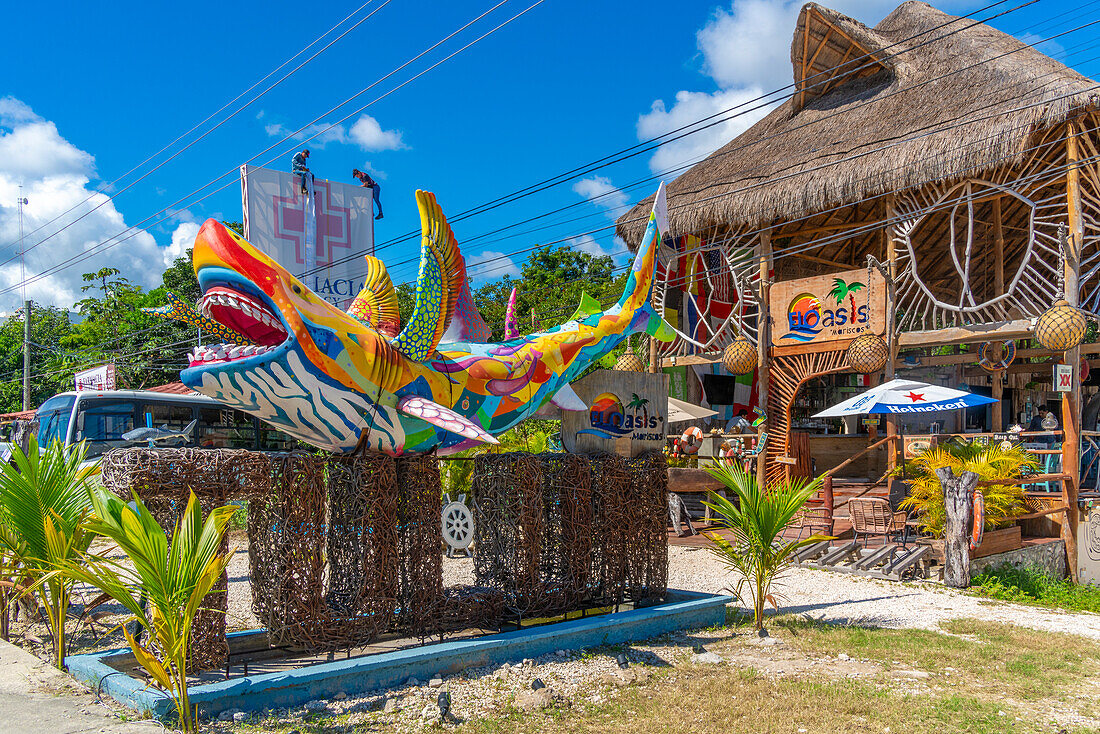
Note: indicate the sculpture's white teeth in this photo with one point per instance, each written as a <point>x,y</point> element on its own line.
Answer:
<point>212,353</point>
<point>242,303</point>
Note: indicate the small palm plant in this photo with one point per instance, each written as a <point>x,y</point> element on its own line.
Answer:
<point>992,462</point>
<point>44,499</point>
<point>174,580</point>
<point>758,553</point>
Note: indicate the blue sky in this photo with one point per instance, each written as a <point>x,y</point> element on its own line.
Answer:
<point>90,90</point>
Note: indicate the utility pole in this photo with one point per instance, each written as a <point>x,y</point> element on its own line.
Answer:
<point>26,310</point>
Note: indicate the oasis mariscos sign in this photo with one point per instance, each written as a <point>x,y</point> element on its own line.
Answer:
<point>828,308</point>
<point>627,413</point>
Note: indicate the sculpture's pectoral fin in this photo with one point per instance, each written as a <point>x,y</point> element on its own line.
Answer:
<point>567,398</point>
<point>444,418</point>
<point>177,310</point>
<point>660,330</point>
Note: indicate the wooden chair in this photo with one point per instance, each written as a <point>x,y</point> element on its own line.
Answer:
<point>873,516</point>
<point>813,519</point>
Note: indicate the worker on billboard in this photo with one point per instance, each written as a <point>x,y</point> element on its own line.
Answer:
<point>367,182</point>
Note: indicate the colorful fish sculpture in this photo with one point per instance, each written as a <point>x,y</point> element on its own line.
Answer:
<point>348,382</point>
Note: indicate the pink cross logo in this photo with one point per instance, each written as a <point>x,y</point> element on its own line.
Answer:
<point>333,224</point>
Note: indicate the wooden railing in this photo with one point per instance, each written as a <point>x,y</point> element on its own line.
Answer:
<point>827,477</point>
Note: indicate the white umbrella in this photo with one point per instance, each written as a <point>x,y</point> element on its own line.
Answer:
<point>679,411</point>
<point>905,397</point>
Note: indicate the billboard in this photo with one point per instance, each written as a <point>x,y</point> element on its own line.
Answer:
<point>319,237</point>
<point>97,378</point>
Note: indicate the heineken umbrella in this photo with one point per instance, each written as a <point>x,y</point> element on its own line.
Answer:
<point>905,397</point>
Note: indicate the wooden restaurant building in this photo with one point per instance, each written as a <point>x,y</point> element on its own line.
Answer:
<point>926,193</point>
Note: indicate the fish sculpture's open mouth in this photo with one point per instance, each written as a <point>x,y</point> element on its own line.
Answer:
<point>244,315</point>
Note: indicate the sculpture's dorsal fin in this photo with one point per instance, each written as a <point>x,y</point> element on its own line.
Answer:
<point>443,417</point>
<point>466,322</point>
<point>180,311</point>
<point>589,306</point>
<point>376,304</point>
<point>511,328</point>
<point>439,283</point>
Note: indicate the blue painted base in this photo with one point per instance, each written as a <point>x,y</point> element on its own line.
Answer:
<point>682,610</point>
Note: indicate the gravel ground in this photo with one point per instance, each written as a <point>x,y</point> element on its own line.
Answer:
<point>831,597</point>
<point>843,598</point>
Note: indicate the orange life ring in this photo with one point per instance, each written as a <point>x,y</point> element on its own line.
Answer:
<point>979,520</point>
<point>691,440</point>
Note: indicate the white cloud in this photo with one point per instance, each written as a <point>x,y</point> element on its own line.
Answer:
<point>746,52</point>
<point>55,176</point>
<point>366,133</point>
<point>490,265</point>
<point>601,192</point>
<point>369,135</point>
<point>182,240</point>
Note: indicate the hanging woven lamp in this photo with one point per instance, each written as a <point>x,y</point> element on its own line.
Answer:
<point>1061,327</point>
<point>629,362</point>
<point>739,358</point>
<point>868,353</point>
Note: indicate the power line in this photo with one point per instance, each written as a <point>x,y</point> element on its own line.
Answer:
<point>103,188</point>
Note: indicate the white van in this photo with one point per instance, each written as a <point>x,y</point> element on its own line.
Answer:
<point>99,418</point>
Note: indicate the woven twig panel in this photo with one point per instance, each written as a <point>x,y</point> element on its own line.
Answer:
<point>647,549</point>
<point>420,547</point>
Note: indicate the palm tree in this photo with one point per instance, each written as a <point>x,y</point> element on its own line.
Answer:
<point>758,553</point>
<point>45,499</point>
<point>174,580</point>
<point>639,402</point>
<point>842,290</point>
<point>993,462</point>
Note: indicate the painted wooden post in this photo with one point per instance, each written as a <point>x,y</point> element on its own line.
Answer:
<point>763,346</point>
<point>1071,401</point>
<point>891,327</point>
<point>827,493</point>
<point>958,502</point>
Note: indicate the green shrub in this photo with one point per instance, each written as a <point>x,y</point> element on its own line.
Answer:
<point>1033,586</point>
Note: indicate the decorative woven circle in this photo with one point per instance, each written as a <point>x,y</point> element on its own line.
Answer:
<point>1061,327</point>
<point>629,362</point>
<point>739,358</point>
<point>868,353</point>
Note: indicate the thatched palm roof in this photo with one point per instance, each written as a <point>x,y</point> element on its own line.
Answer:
<point>882,123</point>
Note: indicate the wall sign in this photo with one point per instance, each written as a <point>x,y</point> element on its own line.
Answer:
<point>828,308</point>
<point>627,414</point>
<point>1063,377</point>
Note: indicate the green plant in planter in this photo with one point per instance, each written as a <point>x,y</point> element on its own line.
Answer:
<point>45,497</point>
<point>1003,502</point>
<point>174,579</point>
<point>759,554</point>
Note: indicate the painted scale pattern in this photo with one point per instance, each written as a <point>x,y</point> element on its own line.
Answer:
<point>177,310</point>
<point>340,384</point>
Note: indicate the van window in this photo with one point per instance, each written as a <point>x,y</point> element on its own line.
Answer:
<point>102,423</point>
<point>225,428</point>
<point>53,420</point>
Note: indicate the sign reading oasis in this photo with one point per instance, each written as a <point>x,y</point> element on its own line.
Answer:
<point>828,308</point>
<point>627,413</point>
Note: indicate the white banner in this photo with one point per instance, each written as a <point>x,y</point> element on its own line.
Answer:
<point>338,218</point>
<point>97,378</point>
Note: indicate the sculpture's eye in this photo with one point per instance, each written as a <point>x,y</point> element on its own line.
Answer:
<point>298,289</point>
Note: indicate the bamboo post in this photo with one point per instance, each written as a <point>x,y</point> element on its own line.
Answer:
<point>1071,401</point>
<point>958,502</point>
<point>764,338</point>
<point>999,287</point>
<point>827,494</point>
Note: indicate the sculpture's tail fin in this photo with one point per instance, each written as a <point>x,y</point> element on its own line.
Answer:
<point>638,293</point>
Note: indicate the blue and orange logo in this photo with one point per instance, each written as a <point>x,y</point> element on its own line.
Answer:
<point>607,417</point>
<point>803,317</point>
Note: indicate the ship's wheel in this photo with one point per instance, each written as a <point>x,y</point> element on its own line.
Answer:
<point>458,525</point>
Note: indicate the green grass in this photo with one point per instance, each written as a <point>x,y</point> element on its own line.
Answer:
<point>239,521</point>
<point>1031,586</point>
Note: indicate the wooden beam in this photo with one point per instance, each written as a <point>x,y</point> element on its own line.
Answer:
<point>999,287</point>
<point>940,360</point>
<point>691,359</point>
<point>891,313</point>
<point>821,260</point>
<point>793,350</point>
<point>1028,368</point>
<point>1071,401</point>
<point>1018,329</point>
